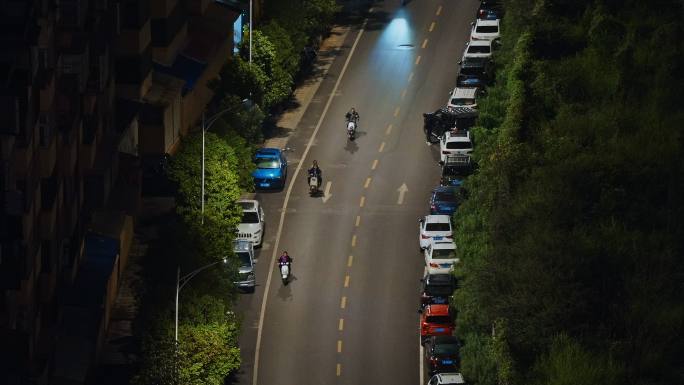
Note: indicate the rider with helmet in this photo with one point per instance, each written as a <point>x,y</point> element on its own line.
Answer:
<point>352,115</point>
<point>315,171</point>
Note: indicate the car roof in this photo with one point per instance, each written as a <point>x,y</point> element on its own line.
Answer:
<point>248,204</point>
<point>464,92</point>
<point>453,189</point>
<point>268,151</point>
<point>480,42</point>
<point>440,278</point>
<point>442,339</point>
<point>437,309</point>
<point>443,245</point>
<point>450,378</point>
<point>437,218</point>
<point>487,22</point>
<point>459,136</point>
<point>242,245</point>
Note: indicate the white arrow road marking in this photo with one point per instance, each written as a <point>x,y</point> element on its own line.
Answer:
<point>402,191</point>
<point>327,194</point>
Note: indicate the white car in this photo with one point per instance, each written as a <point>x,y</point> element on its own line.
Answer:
<point>455,143</point>
<point>485,30</point>
<point>477,48</point>
<point>463,97</point>
<point>447,379</point>
<point>251,226</point>
<point>440,257</point>
<point>433,227</point>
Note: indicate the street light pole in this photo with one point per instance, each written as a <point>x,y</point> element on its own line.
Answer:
<point>250,33</point>
<point>181,281</point>
<point>206,124</point>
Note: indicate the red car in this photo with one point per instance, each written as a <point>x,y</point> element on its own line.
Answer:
<point>436,320</point>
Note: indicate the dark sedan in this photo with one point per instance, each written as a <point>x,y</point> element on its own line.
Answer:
<point>442,354</point>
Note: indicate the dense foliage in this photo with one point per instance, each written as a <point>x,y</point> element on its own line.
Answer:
<point>572,236</point>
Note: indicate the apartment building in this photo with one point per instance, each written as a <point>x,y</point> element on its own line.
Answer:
<point>88,87</point>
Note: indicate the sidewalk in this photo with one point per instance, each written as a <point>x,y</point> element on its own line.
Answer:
<point>304,95</point>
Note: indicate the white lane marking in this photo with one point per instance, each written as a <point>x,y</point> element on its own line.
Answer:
<point>402,191</point>
<point>262,312</point>
<point>327,194</point>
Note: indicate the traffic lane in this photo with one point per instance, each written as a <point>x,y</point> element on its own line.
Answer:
<point>300,323</point>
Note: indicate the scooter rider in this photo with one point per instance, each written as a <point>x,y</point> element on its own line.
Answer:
<point>352,115</point>
<point>315,171</point>
<point>284,258</point>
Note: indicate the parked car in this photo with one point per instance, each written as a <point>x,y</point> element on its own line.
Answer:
<point>251,226</point>
<point>445,200</point>
<point>474,68</point>
<point>442,354</point>
<point>437,289</point>
<point>244,250</point>
<point>440,257</point>
<point>489,10</point>
<point>477,49</point>
<point>436,320</point>
<point>455,143</point>
<point>463,97</point>
<point>447,379</point>
<point>455,168</point>
<point>485,30</point>
<point>433,227</point>
<point>271,168</point>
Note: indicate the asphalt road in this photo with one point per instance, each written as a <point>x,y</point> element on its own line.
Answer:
<point>349,315</point>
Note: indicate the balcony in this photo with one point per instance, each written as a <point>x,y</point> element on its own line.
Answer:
<point>47,149</point>
<point>132,42</point>
<point>169,33</point>
<point>50,191</point>
<point>46,83</point>
<point>88,147</point>
<point>47,279</point>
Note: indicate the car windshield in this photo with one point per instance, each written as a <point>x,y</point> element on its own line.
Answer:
<point>445,196</point>
<point>459,145</point>
<point>439,290</point>
<point>438,319</point>
<point>462,101</point>
<point>244,259</point>
<point>450,349</point>
<point>455,170</point>
<point>443,254</point>
<point>267,163</point>
<point>487,29</point>
<point>437,227</point>
<point>479,49</point>
<point>249,217</point>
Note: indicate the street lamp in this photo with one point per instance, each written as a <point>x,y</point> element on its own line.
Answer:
<point>181,281</point>
<point>206,124</point>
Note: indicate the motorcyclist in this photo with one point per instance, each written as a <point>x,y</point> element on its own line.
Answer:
<point>284,258</point>
<point>352,115</point>
<point>315,171</point>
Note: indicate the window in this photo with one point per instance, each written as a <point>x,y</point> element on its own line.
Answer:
<point>479,49</point>
<point>444,254</point>
<point>459,145</point>
<point>249,217</point>
<point>438,319</point>
<point>245,260</point>
<point>487,29</point>
<point>462,101</point>
<point>437,227</point>
<point>267,163</point>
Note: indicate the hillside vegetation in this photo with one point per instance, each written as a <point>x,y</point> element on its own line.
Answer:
<point>571,238</point>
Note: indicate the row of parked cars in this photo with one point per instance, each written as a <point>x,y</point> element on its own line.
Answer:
<point>435,230</point>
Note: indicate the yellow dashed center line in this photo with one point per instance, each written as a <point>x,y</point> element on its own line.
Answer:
<point>439,10</point>
<point>418,60</point>
<point>432,26</point>
<point>346,281</point>
<point>368,180</point>
<point>389,127</point>
<point>410,76</point>
<point>340,326</point>
<point>339,369</point>
<point>375,164</point>
<point>353,240</point>
<point>362,201</point>
<point>396,112</point>
<point>424,43</point>
<point>382,147</point>
<point>350,260</point>
<point>339,346</point>
<point>343,303</point>
<point>358,221</point>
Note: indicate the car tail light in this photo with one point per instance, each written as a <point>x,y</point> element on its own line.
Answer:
<point>446,152</point>
<point>433,265</point>
<point>448,236</point>
<point>423,236</point>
